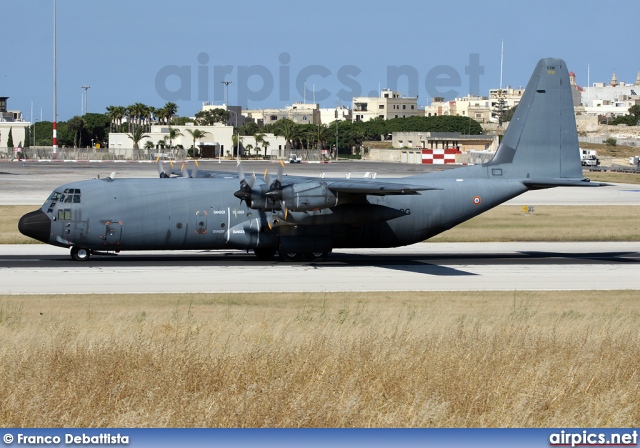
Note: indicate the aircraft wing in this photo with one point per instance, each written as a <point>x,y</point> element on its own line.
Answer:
<point>376,188</point>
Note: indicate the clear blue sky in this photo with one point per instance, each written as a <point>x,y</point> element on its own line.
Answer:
<point>149,51</point>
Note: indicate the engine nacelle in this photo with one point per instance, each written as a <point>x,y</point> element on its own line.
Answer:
<point>307,196</point>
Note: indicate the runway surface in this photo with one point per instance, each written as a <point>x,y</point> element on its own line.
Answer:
<point>39,269</point>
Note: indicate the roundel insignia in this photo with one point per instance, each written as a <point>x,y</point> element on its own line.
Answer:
<point>477,200</point>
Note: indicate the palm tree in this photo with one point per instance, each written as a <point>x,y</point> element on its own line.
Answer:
<point>196,134</point>
<point>265,145</point>
<point>287,129</point>
<point>173,133</point>
<point>149,145</point>
<point>248,148</point>
<point>322,134</point>
<point>137,135</point>
<point>112,116</point>
<point>169,109</point>
<point>236,139</point>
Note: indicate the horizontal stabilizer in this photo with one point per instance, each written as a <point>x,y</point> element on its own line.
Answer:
<point>539,184</point>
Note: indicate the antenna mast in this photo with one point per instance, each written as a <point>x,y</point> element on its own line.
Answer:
<point>501,61</point>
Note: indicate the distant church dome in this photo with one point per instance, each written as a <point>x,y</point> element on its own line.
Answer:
<point>614,80</point>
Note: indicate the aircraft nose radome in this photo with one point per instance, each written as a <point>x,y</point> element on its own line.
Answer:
<point>36,225</point>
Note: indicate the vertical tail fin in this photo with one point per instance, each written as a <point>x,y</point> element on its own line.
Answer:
<point>541,140</point>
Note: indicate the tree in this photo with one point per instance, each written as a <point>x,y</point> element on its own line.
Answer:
<point>116,114</point>
<point>96,127</point>
<point>500,106</point>
<point>249,128</point>
<point>76,124</point>
<point>265,145</point>
<point>137,135</point>
<point>168,111</point>
<point>149,145</point>
<point>236,140</point>
<point>288,130</point>
<point>212,116</point>
<point>10,138</point>
<point>42,133</point>
<point>173,133</point>
<point>196,134</point>
<point>635,111</point>
<point>507,115</point>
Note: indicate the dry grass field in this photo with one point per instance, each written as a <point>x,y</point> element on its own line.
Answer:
<point>549,223</point>
<point>504,223</point>
<point>513,359</point>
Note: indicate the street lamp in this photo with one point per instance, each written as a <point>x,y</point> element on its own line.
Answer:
<point>86,88</point>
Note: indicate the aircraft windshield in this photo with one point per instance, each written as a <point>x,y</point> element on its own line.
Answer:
<point>70,195</point>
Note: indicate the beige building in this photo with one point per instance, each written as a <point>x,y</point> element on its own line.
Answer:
<point>219,137</point>
<point>445,140</point>
<point>300,113</point>
<point>611,99</point>
<point>218,142</point>
<point>388,105</point>
<point>11,121</point>
<point>339,113</point>
<point>476,107</point>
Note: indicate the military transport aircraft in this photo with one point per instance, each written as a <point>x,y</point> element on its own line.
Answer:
<point>302,216</point>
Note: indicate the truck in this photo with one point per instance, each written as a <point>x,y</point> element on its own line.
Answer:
<point>589,157</point>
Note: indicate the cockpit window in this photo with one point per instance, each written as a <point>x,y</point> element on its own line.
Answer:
<point>55,196</point>
<point>70,195</point>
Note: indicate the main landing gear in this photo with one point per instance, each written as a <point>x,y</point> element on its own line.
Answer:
<point>80,253</point>
<point>293,256</point>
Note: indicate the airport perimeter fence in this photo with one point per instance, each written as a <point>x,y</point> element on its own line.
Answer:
<point>602,140</point>
<point>129,154</point>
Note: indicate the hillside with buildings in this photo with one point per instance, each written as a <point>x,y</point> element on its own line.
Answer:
<point>266,132</point>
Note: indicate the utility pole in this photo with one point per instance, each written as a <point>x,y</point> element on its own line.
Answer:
<point>55,99</point>
<point>337,122</point>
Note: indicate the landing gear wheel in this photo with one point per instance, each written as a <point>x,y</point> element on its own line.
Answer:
<point>290,256</point>
<point>316,256</point>
<point>80,253</point>
<point>264,254</point>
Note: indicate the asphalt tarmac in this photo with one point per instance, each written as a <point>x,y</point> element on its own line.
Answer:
<point>40,269</point>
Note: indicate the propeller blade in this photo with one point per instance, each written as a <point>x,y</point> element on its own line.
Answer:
<point>163,171</point>
<point>183,172</point>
